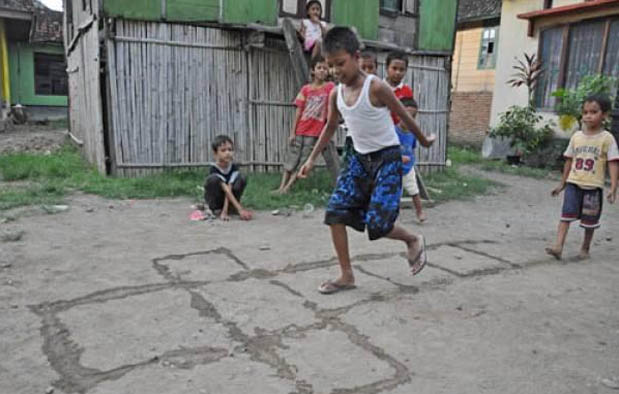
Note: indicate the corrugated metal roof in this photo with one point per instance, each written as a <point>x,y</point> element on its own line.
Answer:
<point>477,10</point>
<point>17,5</point>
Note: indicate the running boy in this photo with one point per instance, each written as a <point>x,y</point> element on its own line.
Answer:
<point>311,102</point>
<point>313,29</point>
<point>368,189</point>
<point>408,142</point>
<point>224,185</point>
<point>584,173</point>
<point>397,65</point>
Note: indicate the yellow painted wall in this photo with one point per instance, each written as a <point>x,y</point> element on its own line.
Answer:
<point>465,76</point>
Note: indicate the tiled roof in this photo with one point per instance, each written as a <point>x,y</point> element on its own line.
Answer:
<point>17,5</point>
<point>47,24</point>
<point>477,10</point>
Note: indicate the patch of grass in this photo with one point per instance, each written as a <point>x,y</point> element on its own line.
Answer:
<point>51,177</point>
<point>314,190</point>
<point>453,185</point>
<point>30,195</point>
<point>463,156</point>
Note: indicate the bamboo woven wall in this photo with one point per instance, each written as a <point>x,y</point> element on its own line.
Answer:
<point>173,88</point>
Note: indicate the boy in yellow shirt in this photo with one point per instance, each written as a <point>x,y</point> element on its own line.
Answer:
<point>584,172</point>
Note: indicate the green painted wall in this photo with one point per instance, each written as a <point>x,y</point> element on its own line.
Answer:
<point>437,25</point>
<point>362,14</point>
<point>149,10</point>
<point>21,63</point>
<point>250,11</point>
<point>192,10</point>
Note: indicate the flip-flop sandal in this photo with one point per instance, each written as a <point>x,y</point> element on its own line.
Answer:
<point>421,259</point>
<point>331,287</point>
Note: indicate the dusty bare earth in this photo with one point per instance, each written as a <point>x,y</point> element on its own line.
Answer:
<point>32,139</point>
<point>131,297</point>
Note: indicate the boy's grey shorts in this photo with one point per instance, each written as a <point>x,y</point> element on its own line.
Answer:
<point>299,152</point>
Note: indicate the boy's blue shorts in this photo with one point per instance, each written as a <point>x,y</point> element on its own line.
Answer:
<point>368,192</point>
<point>582,204</point>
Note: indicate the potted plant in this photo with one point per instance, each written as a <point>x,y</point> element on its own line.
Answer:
<point>526,130</point>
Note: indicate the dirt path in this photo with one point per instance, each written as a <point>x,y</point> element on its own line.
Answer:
<point>32,139</point>
<point>131,297</point>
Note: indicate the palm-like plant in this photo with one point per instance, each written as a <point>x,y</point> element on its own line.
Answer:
<point>527,73</point>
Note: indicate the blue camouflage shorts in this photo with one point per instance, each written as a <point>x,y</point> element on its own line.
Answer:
<point>368,192</point>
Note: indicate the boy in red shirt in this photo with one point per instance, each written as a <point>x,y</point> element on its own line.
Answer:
<point>311,102</point>
<point>397,66</point>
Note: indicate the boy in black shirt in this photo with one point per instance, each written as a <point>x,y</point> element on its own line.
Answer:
<point>224,185</point>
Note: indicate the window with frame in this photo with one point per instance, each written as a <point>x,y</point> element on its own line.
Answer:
<point>398,6</point>
<point>570,52</point>
<point>488,48</point>
<point>50,75</point>
<point>296,9</point>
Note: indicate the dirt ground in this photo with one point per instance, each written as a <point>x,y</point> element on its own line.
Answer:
<point>32,139</point>
<point>132,297</point>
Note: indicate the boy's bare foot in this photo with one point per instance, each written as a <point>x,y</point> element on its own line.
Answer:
<point>556,253</point>
<point>584,255</point>
<point>421,217</point>
<point>417,256</point>
<point>276,191</point>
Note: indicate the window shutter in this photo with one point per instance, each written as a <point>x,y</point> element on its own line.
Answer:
<point>289,6</point>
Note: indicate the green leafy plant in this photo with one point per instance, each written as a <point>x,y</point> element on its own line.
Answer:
<point>525,128</point>
<point>569,103</point>
<point>527,73</point>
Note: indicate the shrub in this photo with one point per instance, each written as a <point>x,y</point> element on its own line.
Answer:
<point>523,126</point>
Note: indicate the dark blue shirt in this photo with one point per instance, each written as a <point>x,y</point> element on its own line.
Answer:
<point>408,141</point>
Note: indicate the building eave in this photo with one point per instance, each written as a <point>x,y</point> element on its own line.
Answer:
<point>590,6</point>
<point>15,14</point>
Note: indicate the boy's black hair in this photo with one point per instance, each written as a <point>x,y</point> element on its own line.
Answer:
<point>315,60</point>
<point>341,38</point>
<point>397,55</point>
<point>219,141</point>
<point>370,55</point>
<point>601,99</point>
<point>309,4</point>
<point>409,102</point>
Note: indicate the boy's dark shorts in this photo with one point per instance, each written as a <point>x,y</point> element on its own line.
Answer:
<point>368,192</point>
<point>582,204</point>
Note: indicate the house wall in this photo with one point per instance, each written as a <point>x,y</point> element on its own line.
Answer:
<point>472,88</point>
<point>465,76</point>
<point>399,29</point>
<point>363,14</point>
<point>513,41</point>
<point>21,63</point>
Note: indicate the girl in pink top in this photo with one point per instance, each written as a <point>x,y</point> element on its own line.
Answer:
<point>313,29</point>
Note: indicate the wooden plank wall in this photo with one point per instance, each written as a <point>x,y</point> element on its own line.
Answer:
<point>83,65</point>
<point>174,87</point>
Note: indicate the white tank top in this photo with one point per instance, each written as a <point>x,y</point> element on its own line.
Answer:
<point>370,127</point>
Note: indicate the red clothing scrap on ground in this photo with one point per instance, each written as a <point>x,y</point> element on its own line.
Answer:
<point>313,104</point>
<point>401,91</point>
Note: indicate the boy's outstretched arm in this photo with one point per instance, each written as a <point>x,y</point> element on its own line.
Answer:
<point>613,169</point>
<point>230,199</point>
<point>333,118</point>
<point>385,95</point>
<point>567,167</point>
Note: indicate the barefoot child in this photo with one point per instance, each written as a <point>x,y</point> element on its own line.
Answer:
<point>397,65</point>
<point>313,29</point>
<point>311,117</point>
<point>408,143</point>
<point>225,185</point>
<point>368,189</point>
<point>584,173</point>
